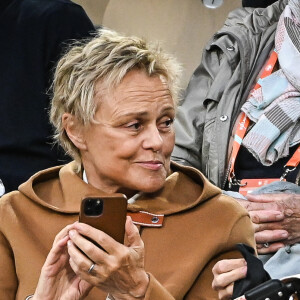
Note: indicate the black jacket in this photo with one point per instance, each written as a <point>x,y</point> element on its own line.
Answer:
<point>33,34</point>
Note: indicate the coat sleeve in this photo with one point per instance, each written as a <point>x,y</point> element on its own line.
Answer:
<point>8,277</point>
<point>242,232</point>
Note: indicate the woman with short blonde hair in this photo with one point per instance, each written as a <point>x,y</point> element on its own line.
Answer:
<point>113,108</point>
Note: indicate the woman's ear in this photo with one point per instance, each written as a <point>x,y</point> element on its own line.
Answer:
<point>74,130</point>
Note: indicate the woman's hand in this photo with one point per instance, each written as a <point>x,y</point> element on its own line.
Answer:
<point>276,219</point>
<point>226,272</point>
<point>57,280</point>
<point>119,269</point>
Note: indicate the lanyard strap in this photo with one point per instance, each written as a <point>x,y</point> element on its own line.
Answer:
<point>292,164</point>
<point>294,160</point>
<point>238,138</point>
<point>245,121</point>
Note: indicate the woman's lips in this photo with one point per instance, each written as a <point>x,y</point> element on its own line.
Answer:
<point>151,165</point>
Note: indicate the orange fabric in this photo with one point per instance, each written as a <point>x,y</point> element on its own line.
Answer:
<point>295,159</point>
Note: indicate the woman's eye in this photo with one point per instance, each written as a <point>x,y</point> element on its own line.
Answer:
<point>134,126</point>
<point>166,124</point>
<point>169,122</point>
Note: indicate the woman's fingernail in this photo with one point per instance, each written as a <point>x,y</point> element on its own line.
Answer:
<point>72,232</point>
<point>284,234</point>
<point>69,243</point>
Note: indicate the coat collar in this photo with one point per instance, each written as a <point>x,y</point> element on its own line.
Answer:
<point>185,188</point>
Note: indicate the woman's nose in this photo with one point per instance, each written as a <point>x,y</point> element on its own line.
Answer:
<point>153,139</point>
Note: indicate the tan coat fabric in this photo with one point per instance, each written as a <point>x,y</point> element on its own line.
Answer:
<point>200,227</point>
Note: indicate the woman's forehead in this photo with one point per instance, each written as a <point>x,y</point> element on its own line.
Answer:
<point>135,87</point>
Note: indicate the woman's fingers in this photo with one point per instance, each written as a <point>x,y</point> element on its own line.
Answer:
<point>58,250</point>
<point>266,216</point>
<point>226,294</point>
<point>115,267</point>
<point>269,241</point>
<point>102,239</point>
<point>221,281</point>
<point>133,238</point>
<point>269,236</point>
<point>83,251</point>
<point>227,265</point>
<point>267,248</point>
<point>64,232</point>
<point>227,271</point>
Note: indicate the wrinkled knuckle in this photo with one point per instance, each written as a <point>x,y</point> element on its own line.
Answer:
<point>101,239</point>
<point>255,218</point>
<point>278,206</point>
<point>247,205</point>
<point>90,248</point>
<point>217,269</point>
<point>222,266</point>
<point>105,275</point>
<point>113,267</point>
<point>81,265</point>
<point>126,254</point>
<point>216,283</point>
<point>256,228</point>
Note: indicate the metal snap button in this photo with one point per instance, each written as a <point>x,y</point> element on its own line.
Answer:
<point>223,118</point>
<point>230,48</point>
<point>155,219</point>
<point>212,3</point>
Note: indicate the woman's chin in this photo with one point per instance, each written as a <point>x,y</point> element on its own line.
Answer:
<point>153,187</point>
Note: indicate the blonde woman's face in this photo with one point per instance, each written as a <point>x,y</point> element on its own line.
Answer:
<point>131,146</point>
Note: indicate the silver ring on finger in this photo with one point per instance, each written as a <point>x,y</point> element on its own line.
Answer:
<point>91,268</point>
<point>266,245</point>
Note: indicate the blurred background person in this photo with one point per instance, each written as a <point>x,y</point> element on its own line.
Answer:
<point>33,34</point>
<point>239,124</point>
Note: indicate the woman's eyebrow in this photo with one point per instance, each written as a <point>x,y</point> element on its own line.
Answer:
<point>134,114</point>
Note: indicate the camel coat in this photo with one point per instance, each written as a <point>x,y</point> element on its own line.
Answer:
<point>200,227</point>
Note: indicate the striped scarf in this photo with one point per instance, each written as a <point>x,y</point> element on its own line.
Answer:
<point>275,106</point>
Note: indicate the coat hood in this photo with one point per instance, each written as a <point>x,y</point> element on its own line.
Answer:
<point>185,188</point>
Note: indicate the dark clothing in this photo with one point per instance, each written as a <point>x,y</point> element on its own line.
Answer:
<point>33,34</point>
<point>246,166</point>
<point>257,3</point>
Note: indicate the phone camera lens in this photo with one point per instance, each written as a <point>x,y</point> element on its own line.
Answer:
<point>93,207</point>
<point>98,207</point>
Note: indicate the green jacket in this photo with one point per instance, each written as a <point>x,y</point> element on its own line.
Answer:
<point>219,86</point>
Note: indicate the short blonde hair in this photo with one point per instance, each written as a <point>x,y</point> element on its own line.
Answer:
<point>107,57</point>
